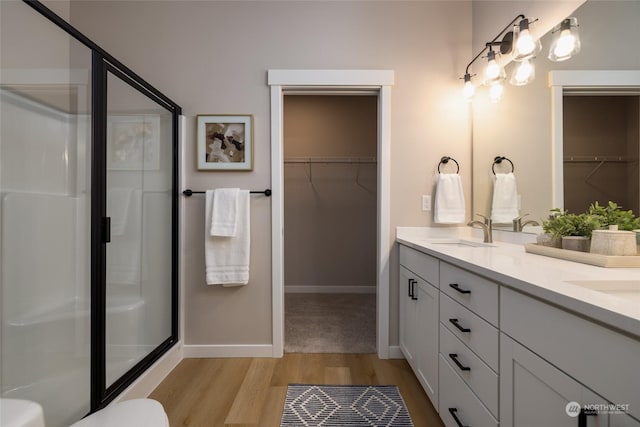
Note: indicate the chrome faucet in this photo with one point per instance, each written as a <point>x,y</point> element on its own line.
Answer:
<point>518,225</point>
<point>486,228</point>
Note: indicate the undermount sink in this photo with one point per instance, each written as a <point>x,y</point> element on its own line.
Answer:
<point>625,289</point>
<point>459,243</point>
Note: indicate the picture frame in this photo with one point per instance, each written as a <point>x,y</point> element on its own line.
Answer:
<point>133,142</point>
<point>225,142</point>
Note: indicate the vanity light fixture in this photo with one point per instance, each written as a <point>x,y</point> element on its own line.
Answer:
<point>525,46</point>
<point>517,39</point>
<point>566,40</point>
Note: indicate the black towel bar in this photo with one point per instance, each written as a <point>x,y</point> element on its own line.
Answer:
<point>498,160</point>
<point>188,192</point>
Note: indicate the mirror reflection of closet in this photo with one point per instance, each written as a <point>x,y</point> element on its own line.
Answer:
<point>601,140</point>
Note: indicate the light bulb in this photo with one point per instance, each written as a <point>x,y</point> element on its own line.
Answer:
<point>494,72</point>
<point>495,92</point>
<point>523,74</point>
<point>566,44</point>
<point>525,46</point>
<point>469,90</point>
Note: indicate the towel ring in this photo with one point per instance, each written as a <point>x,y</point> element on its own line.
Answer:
<point>498,160</point>
<point>445,160</point>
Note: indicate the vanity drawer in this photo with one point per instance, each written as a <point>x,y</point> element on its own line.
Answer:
<point>479,377</point>
<point>482,337</point>
<point>456,397</point>
<point>478,294</point>
<point>421,264</point>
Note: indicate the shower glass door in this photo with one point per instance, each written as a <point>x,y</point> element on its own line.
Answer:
<point>45,205</point>
<point>139,183</point>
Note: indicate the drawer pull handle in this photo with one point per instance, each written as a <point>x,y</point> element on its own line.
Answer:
<point>413,290</point>
<point>456,287</point>
<point>409,287</point>
<point>582,416</point>
<point>455,323</point>
<point>453,411</point>
<point>454,357</point>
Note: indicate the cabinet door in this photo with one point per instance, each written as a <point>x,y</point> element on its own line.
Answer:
<point>535,393</point>
<point>427,330</point>
<point>408,315</point>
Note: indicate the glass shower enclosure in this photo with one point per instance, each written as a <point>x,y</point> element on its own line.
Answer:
<point>88,218</point>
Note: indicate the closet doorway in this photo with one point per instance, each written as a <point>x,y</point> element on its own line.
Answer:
<point>601,147</point>
<point>330,214</point>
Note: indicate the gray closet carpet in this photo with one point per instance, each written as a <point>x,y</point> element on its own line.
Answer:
<point>330,323</point>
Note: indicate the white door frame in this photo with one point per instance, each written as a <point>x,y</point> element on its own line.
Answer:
<point>380,81</point>
<point>559,81</point>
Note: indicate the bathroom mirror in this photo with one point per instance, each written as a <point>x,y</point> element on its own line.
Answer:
<point>519,126</point>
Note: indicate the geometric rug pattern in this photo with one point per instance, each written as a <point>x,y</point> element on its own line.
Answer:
<point>344,406</point>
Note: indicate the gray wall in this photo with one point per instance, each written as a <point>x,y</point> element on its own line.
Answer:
<point>213,57</point>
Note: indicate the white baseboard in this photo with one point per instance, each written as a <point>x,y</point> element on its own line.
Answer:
<point>144,385</point>
<point>330,289</point>
<point>395,352</point>
<point>217,351</point>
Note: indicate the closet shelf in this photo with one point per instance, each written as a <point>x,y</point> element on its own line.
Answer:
<point>344,160</point>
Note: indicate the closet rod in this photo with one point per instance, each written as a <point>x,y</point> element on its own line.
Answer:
<point>188,192</point>
<point>595,159</point>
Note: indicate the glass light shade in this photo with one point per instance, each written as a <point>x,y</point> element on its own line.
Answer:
<point>495,92</point>
<point>525,46</point>
<point>469,90</point>
<point>494,72</point>
<point>523,74</point>
<point>566,40</point>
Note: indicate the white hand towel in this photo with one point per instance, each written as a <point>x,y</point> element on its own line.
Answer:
<point>227,258</point>
<point>504,207</point>
<point>124,255</point>
<point>225,208</point>
<point>449,206</point>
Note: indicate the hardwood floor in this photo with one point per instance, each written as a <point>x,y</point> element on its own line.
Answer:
<point>251,392</point>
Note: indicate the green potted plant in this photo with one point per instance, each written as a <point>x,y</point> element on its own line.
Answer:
<point>612,214</point>
<point>574,230</point>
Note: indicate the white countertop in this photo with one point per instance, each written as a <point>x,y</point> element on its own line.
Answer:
<point>543,277</point>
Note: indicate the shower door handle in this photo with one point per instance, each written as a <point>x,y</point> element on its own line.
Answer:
<point>106,229</point>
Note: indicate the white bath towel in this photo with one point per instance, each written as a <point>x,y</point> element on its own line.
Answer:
<point>227,258</point>
<point>504,207</point>
<point>224,215</point>
<point>449,207</point>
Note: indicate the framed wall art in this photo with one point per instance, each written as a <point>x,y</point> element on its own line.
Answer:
<point>225,142</point>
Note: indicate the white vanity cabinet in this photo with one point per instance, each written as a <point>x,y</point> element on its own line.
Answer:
<point>550,357</point>
<point>488,354</point>
<point>419,310</point>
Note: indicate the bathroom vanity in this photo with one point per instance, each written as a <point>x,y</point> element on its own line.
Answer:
<point>498,336</point>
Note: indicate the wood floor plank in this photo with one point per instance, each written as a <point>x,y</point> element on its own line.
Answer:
<point>337,376</point>
<point>271,413</point>
<point>220,392</point>
<point>248,402</point>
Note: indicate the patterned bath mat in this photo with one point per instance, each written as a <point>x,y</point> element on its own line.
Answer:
<point>342,406</point>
